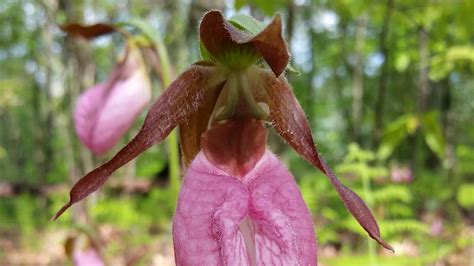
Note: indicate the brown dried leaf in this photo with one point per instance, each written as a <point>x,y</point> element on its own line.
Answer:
<point>219,37</point>
<point>88,31</point>
<point>289,120</point>
<point>182,98</point>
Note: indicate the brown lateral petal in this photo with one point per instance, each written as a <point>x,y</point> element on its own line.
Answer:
<point>219,37</point>
<point>190,131</point>
<point>288,118</point>
<point>88,31</point>
<point>174,106</point>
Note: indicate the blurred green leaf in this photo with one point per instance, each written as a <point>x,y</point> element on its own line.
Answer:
<point>402,61</point>
<point>395,132</point>
<point>442,64</point>
<point>390,193</point>
<point>267,7</point>
<point>433,133</point>
<point>465,195</point>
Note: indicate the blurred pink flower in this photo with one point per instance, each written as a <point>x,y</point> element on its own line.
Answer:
<point>105,112</point>
<point>437,226</point>
<point>87,257</point>
<point>401,174</point>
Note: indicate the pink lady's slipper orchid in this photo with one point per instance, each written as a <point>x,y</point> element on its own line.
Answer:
<point>238,204</point>
<point>105,112</point>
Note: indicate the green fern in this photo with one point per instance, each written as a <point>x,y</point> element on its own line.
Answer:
<point>390,193</point>
<point>390,228</point>
<point>396,227</point>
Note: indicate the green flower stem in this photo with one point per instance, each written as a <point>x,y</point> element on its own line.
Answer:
<point>230,93</point>
<point>173,145</point>
<point>172,141</point>
<point>174,164</point>
<point>248,96</point>
<point>166,78</point>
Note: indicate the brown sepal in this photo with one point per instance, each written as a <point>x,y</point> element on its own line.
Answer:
<point>174,106</point>
<point>289,120</point>
<point>219,37</point>
<point>235,146</point>
<point>88,31</point>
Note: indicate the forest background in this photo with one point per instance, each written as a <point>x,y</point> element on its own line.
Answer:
<point>388,87</point>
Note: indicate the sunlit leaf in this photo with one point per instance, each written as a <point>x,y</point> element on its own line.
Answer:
<point>465,196</point>
<point>433,133</point>
<point>395,133</point>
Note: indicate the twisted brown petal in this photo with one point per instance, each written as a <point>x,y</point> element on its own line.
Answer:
<point>174,106</point>
<point>190,131</point>
<point>288,118</point>
<point>88,31</point>
<point>220,37</point>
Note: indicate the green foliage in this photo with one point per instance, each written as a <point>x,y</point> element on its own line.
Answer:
<point>359,164</point>
<point>43,72</point>
<point>443,64</point>
<point>390,193</point>
<point>122,212</point>
<point>465,195</point>
<point>407,125</point>
<point>465,155</point>
<point>267,7</point>
<point>151,163</point>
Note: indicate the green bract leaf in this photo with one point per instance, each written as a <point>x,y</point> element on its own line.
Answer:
<point>247,23</point>
<point>205,55</point>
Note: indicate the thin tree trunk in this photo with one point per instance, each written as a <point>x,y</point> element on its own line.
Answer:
<point>424,92</point>
<point>339,88</point>
<point>290,21</point>
<point>424,88</point>
<point>358,77</point>
<point>307,95</point>
<point>380,101</point>
<point>446,118</point>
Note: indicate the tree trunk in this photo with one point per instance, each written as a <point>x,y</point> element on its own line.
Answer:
<point>424,92</point>
<point>358,78</point>
<point>380,101</point>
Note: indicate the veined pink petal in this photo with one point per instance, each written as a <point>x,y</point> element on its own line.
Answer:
<point>85,113</point>
<point>126,101</point>
<point>106,111</point>
<point>257,219</point>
